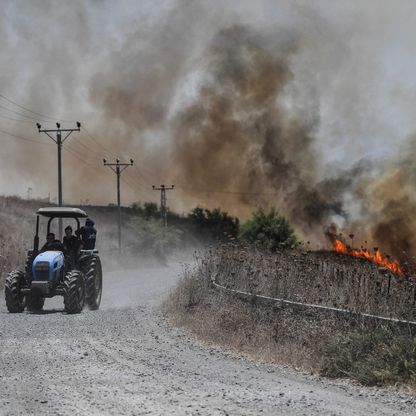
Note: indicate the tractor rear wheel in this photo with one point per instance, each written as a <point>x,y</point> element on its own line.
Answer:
<point>74,292</point>
<point>34,303</point>
<point>15,300</point>
<point>94,283</point>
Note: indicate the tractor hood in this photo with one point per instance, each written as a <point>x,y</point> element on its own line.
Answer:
<point>47,265</point>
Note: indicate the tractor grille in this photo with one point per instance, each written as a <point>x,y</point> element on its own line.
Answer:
<point>42,270</point>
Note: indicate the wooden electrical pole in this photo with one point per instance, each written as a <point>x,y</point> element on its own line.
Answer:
<point>59,142</point>
<point>117,168</point>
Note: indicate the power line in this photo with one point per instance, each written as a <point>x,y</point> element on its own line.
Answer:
<point>23,138</point>
<point>136,170</point>
<point>69,150</point>
<point>142,187</point>
<point>79,156</point>
<point>19,114</point>
<point>34,112</point>
<point>227,192</point>
<point>89,149</point>
<point>73,151</point>
<point>97,142</point>
<point>30,119</point>
<point>132,187</point>
<point>140,173</point>
<point>16,119</point>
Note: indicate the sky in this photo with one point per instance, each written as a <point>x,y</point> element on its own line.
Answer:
<point>170,83</point>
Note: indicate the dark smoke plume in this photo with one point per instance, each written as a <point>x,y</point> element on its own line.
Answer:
<point>389,205</point>
<point>236,136</point>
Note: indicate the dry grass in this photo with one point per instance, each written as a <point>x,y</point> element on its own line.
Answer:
<point>323,278</point>
<point>308,339</point>
<point>273,335</point>
<point>16,233</point>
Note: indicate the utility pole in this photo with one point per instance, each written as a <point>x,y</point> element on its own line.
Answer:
<point>59,141</point>
<point>117,168</point>
<point>163,208</point>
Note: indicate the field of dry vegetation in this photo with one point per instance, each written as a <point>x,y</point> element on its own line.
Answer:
<point>335,346</point>
<point>16,232</point>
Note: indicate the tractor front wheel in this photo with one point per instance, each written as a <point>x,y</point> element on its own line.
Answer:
<point>74,292</point>
<point>15,300</point>
<point>94,283</point>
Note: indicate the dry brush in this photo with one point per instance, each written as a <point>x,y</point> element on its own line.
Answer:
<point>317,342</point>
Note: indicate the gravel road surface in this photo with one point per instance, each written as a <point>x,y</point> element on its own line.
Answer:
<point>126,359</point>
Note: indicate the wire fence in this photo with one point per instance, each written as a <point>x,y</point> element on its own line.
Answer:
<point>266,300</point>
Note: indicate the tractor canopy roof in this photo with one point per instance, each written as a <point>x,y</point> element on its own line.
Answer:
<point>62,212</point>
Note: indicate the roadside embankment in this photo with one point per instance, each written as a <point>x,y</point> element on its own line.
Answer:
<point>372,352</point>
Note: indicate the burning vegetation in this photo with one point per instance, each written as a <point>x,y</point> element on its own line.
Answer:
<point>377,257</point>
<point>384,261</point>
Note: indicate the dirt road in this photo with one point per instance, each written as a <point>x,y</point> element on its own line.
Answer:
<point>125,359</point>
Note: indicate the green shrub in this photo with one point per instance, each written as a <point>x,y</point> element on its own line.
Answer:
<point>373,357</point>
<point>269,230</point>
<point>215,224</point>
<point>150,210</point>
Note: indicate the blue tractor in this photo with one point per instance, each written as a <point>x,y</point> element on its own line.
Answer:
<point>77,276</point>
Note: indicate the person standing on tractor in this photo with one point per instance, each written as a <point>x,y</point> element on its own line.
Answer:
<point>88,234</point>
<point>71,243</point>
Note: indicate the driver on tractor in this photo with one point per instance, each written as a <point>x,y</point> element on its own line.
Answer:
<point>52,244</point>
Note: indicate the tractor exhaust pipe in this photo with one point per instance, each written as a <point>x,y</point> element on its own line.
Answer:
<point>36,239</point>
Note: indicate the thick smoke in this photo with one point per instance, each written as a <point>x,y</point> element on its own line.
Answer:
<point>251,103</point>
<point>237,137</point>
<point>388,205</point>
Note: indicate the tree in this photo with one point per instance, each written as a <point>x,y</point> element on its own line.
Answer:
<point>150,210</point>
<point>137,208</point>
<point>268,230</point>
<point>215,224</point>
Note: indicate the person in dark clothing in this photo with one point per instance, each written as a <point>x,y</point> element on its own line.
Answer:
<point>71,243</point>
<point>52,244</point>
<point>88,234</point>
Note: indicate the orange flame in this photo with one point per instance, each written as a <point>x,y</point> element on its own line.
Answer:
<point>377,257</point>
